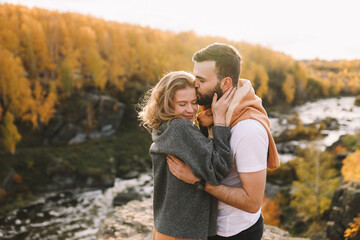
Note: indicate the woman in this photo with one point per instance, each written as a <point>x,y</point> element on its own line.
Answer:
<point>183,210</point>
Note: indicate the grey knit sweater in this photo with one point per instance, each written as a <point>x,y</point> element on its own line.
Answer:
<point>179,209</point>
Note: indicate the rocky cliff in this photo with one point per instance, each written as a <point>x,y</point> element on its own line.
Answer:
<point>345,206</point>
<point>82,117</point>
<point>135,221</point>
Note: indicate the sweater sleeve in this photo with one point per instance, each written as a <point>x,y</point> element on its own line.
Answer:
<point>208,159</point>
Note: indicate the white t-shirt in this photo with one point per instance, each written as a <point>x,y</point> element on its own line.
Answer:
<point>249,143</point>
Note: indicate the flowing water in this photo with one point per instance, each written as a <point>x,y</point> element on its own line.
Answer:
<point>342,109</point>
<point>70,215</point>
<point>76,215</point>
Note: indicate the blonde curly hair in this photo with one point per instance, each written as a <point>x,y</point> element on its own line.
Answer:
<point>156,106</point>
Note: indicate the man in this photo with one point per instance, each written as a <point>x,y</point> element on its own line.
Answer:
<point>217,68</point>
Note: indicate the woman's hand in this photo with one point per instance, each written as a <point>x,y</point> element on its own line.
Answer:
<point>181,170</point>
<point>220,106</point>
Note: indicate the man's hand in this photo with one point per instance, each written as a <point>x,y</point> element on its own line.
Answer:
<point>220,106</point>
<point>181,170</point>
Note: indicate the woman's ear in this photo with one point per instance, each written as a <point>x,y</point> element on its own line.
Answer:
<point>225,84</point>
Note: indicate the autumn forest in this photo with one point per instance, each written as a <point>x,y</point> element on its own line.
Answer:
<point>46,56</point>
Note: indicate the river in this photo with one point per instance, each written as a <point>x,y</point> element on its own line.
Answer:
<point>342,109</point>
<point>75,215</point>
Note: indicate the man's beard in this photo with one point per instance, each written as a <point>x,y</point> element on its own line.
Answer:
<point>206,99</point>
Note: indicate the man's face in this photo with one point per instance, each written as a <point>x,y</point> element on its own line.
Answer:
<point>206,82</point>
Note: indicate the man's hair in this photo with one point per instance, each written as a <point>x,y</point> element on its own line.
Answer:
<point>157,106</point>
<point>227,60</point>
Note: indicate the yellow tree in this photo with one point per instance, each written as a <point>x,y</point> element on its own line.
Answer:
<point>9,133</point>
<point>69,72</point>
<point>9,22</point>
<point>15,91</point>
<point>351,166</point>
<point>35,47</point>
<point>317,180</point>
<point>111,42</point>
<point>65,74</point>
<point>51,26</point>
<point>300,75</point>
<point>97,69</point>
<point>93,66</point>
<point>288,88</point>
<point>258,76</point>
<point>9,40</point>
<point>42,104</point>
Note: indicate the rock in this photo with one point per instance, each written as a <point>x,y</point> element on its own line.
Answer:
<point>82,117</point>
<point>274,233</point>
<point>131,174</point>
<point>123,198</point>
<point>61,173</point>
<point>65,134</point>
<point>271,190</point>
<point>350,142</point>
<point>344,207</point>
<point>286,148</point>
<point>7,181</point>
<point>134,221</point>
<point>331,123</point>
<point>357,101</point>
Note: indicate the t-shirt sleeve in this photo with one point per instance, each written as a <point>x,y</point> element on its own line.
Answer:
<point>250,143</point>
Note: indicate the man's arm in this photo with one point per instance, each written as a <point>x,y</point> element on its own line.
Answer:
<point>248,197</point>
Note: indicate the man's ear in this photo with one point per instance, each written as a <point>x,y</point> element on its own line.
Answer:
<point>225,84</point>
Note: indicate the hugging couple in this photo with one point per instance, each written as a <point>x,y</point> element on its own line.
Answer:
<point>209,181</point>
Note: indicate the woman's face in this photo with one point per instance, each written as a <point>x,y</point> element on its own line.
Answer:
<point>185,103</point>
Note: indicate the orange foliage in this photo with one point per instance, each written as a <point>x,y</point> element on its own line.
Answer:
<point>354,228</point>
<point>2,193</point>
<point>351,166</point>
<point>17,178</point>
<point>271,212</point>
<point>340,149</point>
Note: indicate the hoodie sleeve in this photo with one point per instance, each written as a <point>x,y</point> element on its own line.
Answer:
<point>208,159</point>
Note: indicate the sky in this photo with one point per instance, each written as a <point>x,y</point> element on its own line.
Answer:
<point>305,29</point>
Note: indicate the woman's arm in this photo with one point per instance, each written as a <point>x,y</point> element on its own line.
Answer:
<point>208,159</point>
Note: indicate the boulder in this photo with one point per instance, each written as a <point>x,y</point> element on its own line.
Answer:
<point>125,197</point>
